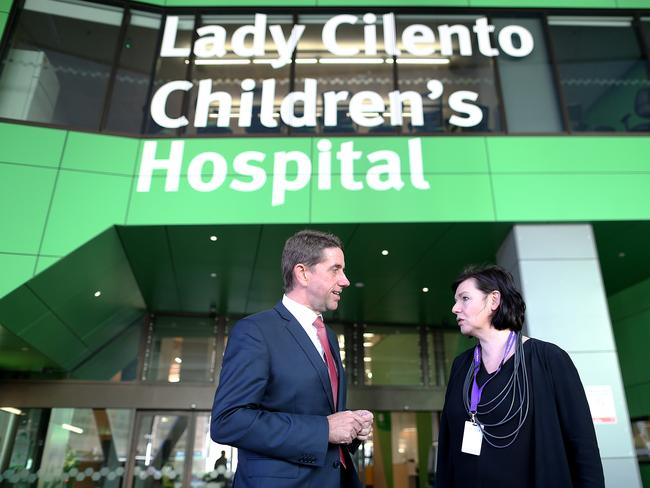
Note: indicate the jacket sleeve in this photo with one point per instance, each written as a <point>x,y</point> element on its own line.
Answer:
<point>238,418</point>
<point>575,421</point>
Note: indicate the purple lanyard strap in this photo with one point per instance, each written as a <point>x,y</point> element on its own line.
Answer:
<point>477,391</point>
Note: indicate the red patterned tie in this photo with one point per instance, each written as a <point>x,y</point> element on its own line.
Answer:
<point>331,368</point>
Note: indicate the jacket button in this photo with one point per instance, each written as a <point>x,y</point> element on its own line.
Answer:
<point>336,464</point>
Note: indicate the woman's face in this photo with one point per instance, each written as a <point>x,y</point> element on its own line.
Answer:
<point>473,308</point>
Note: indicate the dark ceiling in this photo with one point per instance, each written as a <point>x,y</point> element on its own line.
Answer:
<point>55,320</point>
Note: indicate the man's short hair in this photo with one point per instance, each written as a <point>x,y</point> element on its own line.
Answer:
<point>305,247</point>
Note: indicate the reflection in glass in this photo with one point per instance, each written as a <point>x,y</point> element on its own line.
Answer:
<point>228,74</point>
<point>161,444</point>
<point>182,349</point>
<point>86,447</point>
<point>128,103</point>
<point>602,73</point>
<point>59,61</point>
<point>353,74</point>
<point>172,69</point>
<point>391,356</point>
<point>21,434</point>
<point>456,72</point>
<point>529,96</point>
<point>213,465</point>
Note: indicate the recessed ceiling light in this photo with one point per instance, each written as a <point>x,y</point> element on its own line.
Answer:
<point>98,294</point>
<point>425,290</point>
<point>368,344</point>
<point>213,275</point>
<point>213,238</point>
<point>621,254</point>
<point>24,349</point>
<point>384,252</point>
<point>178,360</point>
<point>13,410</point>
<point>359,284</point>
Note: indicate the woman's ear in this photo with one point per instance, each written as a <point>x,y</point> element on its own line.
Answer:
<point>495,300</point>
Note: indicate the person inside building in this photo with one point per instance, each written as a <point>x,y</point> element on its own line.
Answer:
<point>515,413</point>
<point>282,390</point>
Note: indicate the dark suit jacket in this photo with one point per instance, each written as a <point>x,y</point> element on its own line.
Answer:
<point>272,403</point>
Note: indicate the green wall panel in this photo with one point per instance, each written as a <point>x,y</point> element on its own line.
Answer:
<point>16,269</point>
<point>31,145</point>
<point>633,4</point>
<point>239,3</point>
<point>45,262</point>
<point>84,205</point>
<point>3,22</point>
<point>545,3</point>
<point>543,197</point>
<point>5,5</point>
<point>25,194</point>
<point>393,3</point>
<point>568,154</point>
<point>440,203</point>
<point>109,154</point>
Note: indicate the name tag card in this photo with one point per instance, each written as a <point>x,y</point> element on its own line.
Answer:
<point>472,439</point>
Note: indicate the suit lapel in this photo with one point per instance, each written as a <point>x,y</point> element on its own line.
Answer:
<point>303,340</point>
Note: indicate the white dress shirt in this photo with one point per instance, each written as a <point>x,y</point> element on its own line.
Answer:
<point>305,317</point>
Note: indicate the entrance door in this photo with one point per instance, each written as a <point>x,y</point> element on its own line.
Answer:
<point>174,450</point>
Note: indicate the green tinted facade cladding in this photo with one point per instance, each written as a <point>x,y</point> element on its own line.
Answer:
<point>59,189</point>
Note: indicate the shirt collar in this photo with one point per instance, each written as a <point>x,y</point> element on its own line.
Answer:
<point>304,315</point>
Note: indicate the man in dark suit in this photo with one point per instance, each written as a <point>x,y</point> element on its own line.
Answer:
<point>281,394</point>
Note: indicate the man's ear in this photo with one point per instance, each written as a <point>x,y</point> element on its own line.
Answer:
<point>300,272</point>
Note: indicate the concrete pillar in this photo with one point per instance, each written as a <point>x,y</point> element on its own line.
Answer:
<point>557,269</point>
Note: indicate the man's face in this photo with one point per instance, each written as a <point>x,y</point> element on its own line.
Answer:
<point>326,281</point>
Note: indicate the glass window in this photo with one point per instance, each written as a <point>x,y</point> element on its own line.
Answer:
<point>454,60</point>
<point>59,61</point>
<point>212,463</point>
<point>170,69</point>
<point>529,95</point>
<point>21,438</point>
<point>391,356</point>
<point>233,75</point>
<point>366,79</point>
<point>116,361</point>
<point>182,349</point>
<point>128,104</point>
<point>160,450</point>
<point>602,73</point>
<point>86,447</point>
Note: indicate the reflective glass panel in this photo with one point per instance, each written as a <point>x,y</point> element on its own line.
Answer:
<point>391,356</point>
<point>58,63</point>
<point>351,90</point>
<point>21,440</point>
<point>213,465</point>
<point>602,73</point>
<point>226,110</point>
<point>86,447</point>
<point>451,56</point>
<point>182,349</point>
<point>160,448</point>
<point>128,104</point>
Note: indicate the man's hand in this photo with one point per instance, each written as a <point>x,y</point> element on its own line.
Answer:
<point>366,429</point>
<point>344,426</point>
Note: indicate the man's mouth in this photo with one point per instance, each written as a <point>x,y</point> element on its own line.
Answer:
<point>338,293</point>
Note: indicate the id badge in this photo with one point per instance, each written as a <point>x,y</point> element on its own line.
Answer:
<point>472,439</point>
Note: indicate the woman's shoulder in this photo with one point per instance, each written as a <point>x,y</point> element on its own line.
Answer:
<point>547,350</point>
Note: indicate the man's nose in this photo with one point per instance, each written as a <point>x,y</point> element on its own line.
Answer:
<point>344,282</point>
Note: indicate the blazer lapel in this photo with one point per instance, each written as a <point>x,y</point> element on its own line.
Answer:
<point>303,340</point>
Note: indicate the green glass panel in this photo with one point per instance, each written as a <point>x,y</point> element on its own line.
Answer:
<point>31,145</point>
<point>16,269</point>
<point>442,202</point>
<point>3,21</point>
<point>568,154</point>
<point>242,3</point>
<point>633,4</point>
<point>109,154</point>
<point>572,197</point>
<point>27,192</point>
<point>545,3</point>
<point>84,205</point>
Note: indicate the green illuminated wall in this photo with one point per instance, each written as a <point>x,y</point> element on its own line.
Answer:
<point>58,189</point>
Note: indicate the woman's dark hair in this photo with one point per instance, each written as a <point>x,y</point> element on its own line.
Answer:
<point>489,278</point>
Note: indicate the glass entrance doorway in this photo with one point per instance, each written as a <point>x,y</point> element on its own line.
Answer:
<point>174,450</point>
